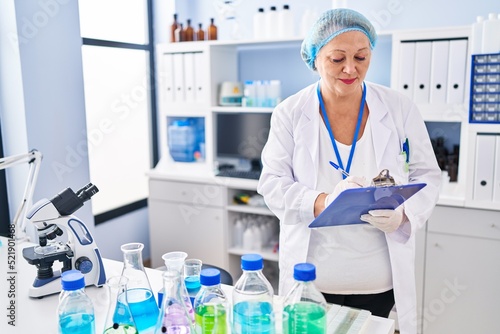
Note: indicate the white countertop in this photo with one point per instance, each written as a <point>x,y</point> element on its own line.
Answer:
<point>40,314</point>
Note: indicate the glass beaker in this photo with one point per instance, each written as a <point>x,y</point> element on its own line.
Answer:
<point>174,317</point>
<point>119,319</point>
<point>174,261</point>
<point>192,270</point>
<point>139,294</point>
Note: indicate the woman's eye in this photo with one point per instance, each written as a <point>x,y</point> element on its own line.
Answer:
<point>360,58</point>
<point>337,60</point>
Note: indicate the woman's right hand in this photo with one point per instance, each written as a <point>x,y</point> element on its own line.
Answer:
<point>347,183</point>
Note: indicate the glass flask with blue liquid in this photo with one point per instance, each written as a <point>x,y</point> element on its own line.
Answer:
<point>139,294</point>
<point>252,298</point>
<point>75,310</point>
<point>119,318</point>
<point>174,316</point>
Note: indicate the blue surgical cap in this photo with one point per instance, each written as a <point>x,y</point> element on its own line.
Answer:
<point>331,24</point>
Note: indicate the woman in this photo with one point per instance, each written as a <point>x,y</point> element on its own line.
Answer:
<point>361,127</point>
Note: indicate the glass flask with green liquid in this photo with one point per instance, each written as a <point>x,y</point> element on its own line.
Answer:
<point>119,319</point>
<point>211,304</point>
<point>305,305</point>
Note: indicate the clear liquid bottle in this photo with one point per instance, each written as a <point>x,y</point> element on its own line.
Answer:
<point>211,304</point>
<point>305,305</point>
<point>75,310</point>
<point>192,270</point>
<point>119,319</point>
<point>212,31</point>
<point>252,298</point>
<point>139,294</point>
<point>180,35</point>
<point>259,24</point>
<point>174,317</point>
<point>189,32</point>
<point>200,33</point>
<point>173,28</point>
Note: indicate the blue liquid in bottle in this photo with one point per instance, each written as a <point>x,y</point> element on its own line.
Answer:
<point>143,307</point>
<point>252,317</point>
<point>192,286</point>
<point>79,323</point>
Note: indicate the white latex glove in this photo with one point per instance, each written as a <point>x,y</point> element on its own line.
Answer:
<point>347,183</point>
<point>385,220</point>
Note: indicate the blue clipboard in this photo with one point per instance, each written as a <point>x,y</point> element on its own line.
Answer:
<point>352,203</point>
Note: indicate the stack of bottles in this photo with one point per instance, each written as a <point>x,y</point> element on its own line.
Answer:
<point>255,232</point>
<point>261,93</point>
<point>187,33</point>
<point>485,35</point>
<point>273,23</point>
<point>186,139</point>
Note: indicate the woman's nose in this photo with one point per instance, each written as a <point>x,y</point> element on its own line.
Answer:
<point>349,67</point>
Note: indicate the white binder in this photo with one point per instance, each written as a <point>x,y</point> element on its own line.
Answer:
<point>167,78</point>
<point>439,71</point>
<point>422,72</point>
<point>496,176</point>
<point>406,69</point>
<point>201,76</point>
<point>179,93</point>
<point>456,71</point>
<point>484,168</point>
<point>189,80</point>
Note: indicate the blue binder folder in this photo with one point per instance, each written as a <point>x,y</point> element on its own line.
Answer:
<point>352,203</point>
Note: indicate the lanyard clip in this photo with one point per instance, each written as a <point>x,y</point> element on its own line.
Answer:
<point>384,179</point>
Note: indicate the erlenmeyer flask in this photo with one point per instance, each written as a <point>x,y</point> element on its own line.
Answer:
<point>139,294</point>
<point>174,317</point>
<point>119,318</point>
<point>174,261</point>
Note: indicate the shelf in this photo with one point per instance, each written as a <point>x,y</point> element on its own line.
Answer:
<point>267,253</point>
<point>240,109</point>
<point>250,209</point>
<point>444,112</point>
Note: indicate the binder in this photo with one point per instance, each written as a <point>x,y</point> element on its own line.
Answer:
<point>201,76</point>
<point>179,93</point>
<point>496,176</point>
<point>167,79</point>
<point>456,71</point>
<point>439,71</point>
<point>189,77</point>
<point>484,167</point>
<point>354,202</point>
<point>422,72</point>
<point>406,70</point>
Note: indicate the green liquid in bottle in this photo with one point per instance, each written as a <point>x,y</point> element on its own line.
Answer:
<point>210,319</point>
<point>306,318</point>
<point>121,329</point>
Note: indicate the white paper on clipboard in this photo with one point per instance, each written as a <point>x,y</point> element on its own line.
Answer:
<point>354,202</point>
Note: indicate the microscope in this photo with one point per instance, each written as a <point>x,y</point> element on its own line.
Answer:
<point>53,218</point>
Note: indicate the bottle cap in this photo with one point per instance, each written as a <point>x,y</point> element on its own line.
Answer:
<point>304,272</point>
<point>72,280</point>
<point>261,10</point>
<point>273,7</point>
<point>492,16</point>
<point>252,262</point>
<point>210,276</point>
<point>286,7</point>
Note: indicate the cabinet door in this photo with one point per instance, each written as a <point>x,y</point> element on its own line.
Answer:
<point>196,230</point>
<point>462,288</point>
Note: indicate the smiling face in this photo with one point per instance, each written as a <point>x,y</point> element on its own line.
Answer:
<point>343,63</point>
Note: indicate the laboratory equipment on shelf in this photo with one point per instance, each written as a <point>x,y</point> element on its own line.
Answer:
<point>304,304</point>
<point>192,269</point>
<point>75,310</point>
<point>119,319</point>
<point>140,297</point>
<point>211,305</point>
<point>52,218</point>
<point>252,298</point>
<point>174,316</point>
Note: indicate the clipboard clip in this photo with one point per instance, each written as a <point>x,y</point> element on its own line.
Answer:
<point>384,179</point>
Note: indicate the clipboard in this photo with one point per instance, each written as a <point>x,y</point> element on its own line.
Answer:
<point>354,202</point>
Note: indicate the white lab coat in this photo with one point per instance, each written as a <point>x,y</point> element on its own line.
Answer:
<point>288,181</point>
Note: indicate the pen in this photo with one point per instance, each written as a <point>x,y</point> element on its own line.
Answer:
<point>337,167</point>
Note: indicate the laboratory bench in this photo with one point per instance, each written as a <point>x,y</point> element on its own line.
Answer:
<point>39,315</point>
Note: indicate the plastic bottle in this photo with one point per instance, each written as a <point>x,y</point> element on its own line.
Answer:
<point>477,35</point>
<point>140,297</point>
<point>200,33</point>
<point>305,305</point>
<point>285,23</point>
<point>252,298</point>
<point>259,24</point>
<point>192,269</point>
<point>238,231</point>
<point>173,28</point>
<point>272,23</point>
<point>211,304</point>
<point>174,317</point>
<point>491,34</point>
<point>212,31</point>
<point>189,32</point>
<point>248,237</point>
<point>182,140</point>
<point>119,319</point>
<point>75,310</point>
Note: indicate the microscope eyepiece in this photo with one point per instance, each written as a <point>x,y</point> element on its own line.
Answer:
<point>67,201</point>
<point>86,192</point>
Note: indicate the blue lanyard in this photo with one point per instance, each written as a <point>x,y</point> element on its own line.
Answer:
<point>356,132</point>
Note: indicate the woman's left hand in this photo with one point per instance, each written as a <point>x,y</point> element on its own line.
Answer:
<point>385,220</point>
